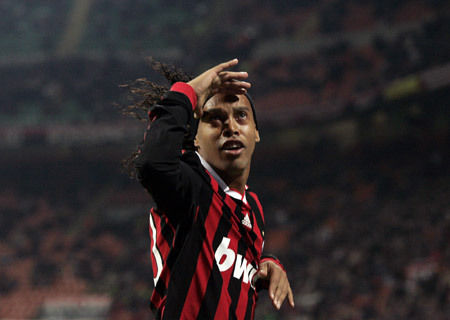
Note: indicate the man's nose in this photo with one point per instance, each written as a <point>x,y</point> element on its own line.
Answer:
<point>230,127</point>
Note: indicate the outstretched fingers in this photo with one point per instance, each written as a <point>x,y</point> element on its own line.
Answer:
<point>233,75</point>
<point>231,83</point>
<point>233,88</point>
<point>279,287</point>
<point>275,286</point>
<point>291,297</point>
<point>225,65</point>
<point>281,291</point>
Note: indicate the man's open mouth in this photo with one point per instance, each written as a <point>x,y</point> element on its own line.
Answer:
<point>232,145</point>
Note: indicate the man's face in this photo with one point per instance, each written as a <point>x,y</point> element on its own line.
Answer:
<point>227,134</point>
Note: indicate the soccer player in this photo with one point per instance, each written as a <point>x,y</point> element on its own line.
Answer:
<point>207,229</point>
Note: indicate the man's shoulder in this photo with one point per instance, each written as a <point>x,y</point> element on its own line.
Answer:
<point>252,197</point>
<point>252,193</point>
<point>191,159</point>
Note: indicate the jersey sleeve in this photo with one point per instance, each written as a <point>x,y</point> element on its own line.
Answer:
<point>171,182</point>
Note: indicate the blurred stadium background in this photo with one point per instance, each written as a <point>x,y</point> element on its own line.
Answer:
<point>353,168</point>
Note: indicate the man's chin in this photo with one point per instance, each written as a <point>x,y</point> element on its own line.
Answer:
<point>235,166</point>
<point>233,153</point>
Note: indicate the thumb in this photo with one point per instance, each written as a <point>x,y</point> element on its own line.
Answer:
<point>263,272</point>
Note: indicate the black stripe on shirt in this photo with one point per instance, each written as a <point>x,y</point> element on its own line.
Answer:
<point>182,275</point>
<point>215,282</point>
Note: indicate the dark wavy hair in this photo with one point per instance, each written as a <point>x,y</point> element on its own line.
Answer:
<point>144,94</point>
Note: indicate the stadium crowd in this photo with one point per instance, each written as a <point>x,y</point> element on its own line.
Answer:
<point>343,68</point>
<point>366,232</point>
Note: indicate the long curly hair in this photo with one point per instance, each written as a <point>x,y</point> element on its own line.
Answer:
<point>144,94</point>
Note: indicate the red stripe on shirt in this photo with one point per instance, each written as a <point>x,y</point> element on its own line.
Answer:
<point>204,263</point>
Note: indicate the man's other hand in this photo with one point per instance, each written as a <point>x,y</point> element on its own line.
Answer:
<point>279,286</point>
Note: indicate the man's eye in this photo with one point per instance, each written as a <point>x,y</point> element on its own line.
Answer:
<point>215,117</point>
<point>242,115</point>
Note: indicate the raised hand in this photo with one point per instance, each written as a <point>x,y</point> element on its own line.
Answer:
<point>218,80</point>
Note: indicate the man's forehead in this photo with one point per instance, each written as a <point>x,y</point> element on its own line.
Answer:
<point>224,100</point>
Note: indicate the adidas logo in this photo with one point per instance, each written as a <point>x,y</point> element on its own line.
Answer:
<point>246,221</point>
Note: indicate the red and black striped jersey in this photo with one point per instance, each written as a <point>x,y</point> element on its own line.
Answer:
<point>205,245</point>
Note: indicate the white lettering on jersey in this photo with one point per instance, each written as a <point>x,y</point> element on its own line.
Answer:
<point>222,251</point>
<point>225,257</point>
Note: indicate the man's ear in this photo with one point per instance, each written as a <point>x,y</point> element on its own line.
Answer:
<point>257,138</point>
<point>196,142</point>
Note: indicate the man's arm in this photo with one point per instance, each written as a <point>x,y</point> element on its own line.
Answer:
<point>160,169</point>
<point>171,182</point>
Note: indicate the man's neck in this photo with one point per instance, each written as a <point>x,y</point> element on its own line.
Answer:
<point>236,181</point>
